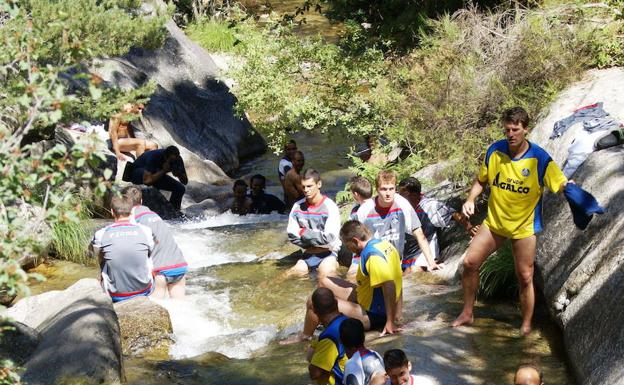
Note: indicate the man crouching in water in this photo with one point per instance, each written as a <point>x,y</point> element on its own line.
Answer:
<point>313,225</point>
<point>170,267</point>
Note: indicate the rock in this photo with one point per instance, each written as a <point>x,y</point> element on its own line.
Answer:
<point>145,326</point>
<point>581,273</point>
<point>190,107</point>
<point>156,201</point>
<point>18,341</point>
<point>79,336</point>
<point>206,208</point>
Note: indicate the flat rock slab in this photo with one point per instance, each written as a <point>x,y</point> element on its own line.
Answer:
<point>79,336</point>
<point>145,327</point>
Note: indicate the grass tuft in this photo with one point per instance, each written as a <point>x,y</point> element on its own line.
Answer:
<point>498,276</point>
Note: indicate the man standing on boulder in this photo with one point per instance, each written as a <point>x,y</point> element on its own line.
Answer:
<point>170,267</point>
<point>152,168</point>
<point>517,172</point>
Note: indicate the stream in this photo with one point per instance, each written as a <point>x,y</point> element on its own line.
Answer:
<point>226,329</point>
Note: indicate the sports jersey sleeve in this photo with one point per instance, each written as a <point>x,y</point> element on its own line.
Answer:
<point>553,177</point>
<point>329,234</point>
<point>483,172</point>
<point>150,237</point>
<point>96,242</point>
<point>412,222</point>
<point>294,231</point>
<point>378,270</point>
<point>325,354</point>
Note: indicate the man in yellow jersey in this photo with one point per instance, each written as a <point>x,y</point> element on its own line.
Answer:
<point>517,172</point>
<point>379,279</point>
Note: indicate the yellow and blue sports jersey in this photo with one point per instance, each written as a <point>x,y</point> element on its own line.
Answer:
<point>516,187</point>
<point>379,262</point>
<point>329,353</point>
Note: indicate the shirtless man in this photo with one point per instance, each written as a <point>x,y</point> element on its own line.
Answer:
<point>293,191</point>
<point>122,137</point>
<point>241,202</point>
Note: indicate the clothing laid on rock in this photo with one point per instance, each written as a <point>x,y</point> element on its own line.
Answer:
<point>315,226</point>
<point>167,257</point>
<point>433,215</point>
<point>389,223</point>
<point>379,262</point>
<point>582,204</point>
<point>285,164</point>
<point>266,204</point>
<point>152,162</point>
<point>583,114</point>
<point>596,124</point>
<point>329,353</point>
<point>516,188</point>
<point>361,366</point>
<point>127,266</point>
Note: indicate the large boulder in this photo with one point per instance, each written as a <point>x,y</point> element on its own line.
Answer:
<point>79,335</point>
<point>581,273</point>
<point>145,327</point>
<point>18,341</point>
<point>191,107</point>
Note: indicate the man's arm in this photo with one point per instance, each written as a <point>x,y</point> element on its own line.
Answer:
<point>294,231</point>
<point>316,373</point>
<point>468,209</point>
<point>151,178</point>
<point>424,247</point>
<point>330,232</point>
<point>389,294</point>
<point>113,133</point>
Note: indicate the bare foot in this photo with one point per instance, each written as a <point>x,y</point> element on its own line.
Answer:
<point>525,330</point>
<point>463,319</point>
<point>299,337</point>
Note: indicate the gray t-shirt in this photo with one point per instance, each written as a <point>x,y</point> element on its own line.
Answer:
<point>167,254</point>
<point>389,224</point>
<point>361,366</point>
<point>126,248</point>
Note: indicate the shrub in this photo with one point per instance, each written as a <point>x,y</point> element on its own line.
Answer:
<point>498,275</point>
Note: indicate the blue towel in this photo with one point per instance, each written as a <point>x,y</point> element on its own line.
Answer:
<point>582,204</point>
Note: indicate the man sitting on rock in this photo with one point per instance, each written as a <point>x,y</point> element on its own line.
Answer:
<point>375,298</point>
<point>364,365</point>
<point>122,135</point>
<point>241,202</point>
<point>123,250</point>
<point>170,267</point>
<point>261,202</point>
<point>152,168</point>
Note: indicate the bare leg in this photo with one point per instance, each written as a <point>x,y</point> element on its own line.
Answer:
<point>160,286</point>
<point>178,289</point>
<point>132,144</point>
<point>149,145</point>
<point>341,288</point>
<point>483,244</point>
<point>328,267</point>
<point>310,323</point>
<point>300,269</point>
<point>524,257</point>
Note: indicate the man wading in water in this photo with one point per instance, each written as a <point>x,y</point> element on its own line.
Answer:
<point>516,171</point>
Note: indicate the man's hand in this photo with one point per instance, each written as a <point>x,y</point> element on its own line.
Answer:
<point>121,157</point>
<point>436,266</point>
<point>389,329</point>
<point>468,208</point>
<point>166,167</point>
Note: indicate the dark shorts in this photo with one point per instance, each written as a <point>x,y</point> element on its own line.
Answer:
<point>171,279</point>
<point>377,320</point>
<point>315,259</point>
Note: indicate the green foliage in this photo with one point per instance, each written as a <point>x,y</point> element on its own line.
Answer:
<point>46,48</point>
<point>213,35</point>
<point>498,275</point>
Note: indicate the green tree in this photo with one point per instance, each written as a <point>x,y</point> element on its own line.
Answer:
<point>47,48</point>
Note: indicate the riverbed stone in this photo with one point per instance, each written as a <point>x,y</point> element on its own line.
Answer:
<point>79,336</point>
<point>190,107</point>
<point>581,273</point>
<point>145,327</point>
<point>18,341</point>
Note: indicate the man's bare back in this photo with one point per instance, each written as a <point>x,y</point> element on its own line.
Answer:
<point>292,187</point>
<point>122,135</point>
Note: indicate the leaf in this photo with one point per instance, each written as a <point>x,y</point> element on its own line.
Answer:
<point>108,173</point>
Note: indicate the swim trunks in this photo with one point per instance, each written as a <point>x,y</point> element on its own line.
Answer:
<point>377,320</point>
<point>315,259</point>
